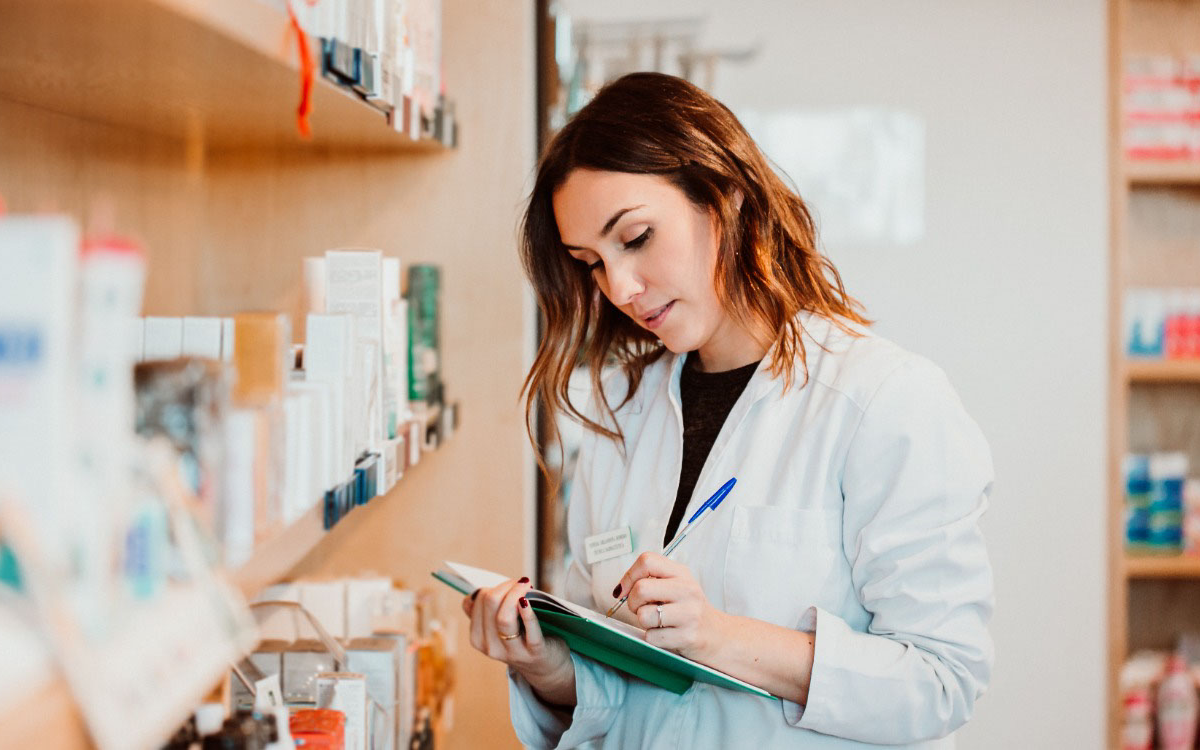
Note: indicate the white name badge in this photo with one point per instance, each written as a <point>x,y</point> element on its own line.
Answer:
<point>607,545</point>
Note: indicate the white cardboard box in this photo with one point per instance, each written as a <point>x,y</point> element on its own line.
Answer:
<point>354,285</point>
<point>346,692</point>
<point>329,358</point>
<point>163,338</point>
<point>378,660</point>
<point>282,624</point>
<point>326,601</point>
<point>202,337</point>
<point>364,599</point>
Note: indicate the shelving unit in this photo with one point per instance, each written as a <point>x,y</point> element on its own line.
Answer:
<point>174,122</point>
<point>1155,208</point>
<point>232,78</point>
<point>1176,371</point>
<point>1162,566</point>
<point>1167,173</point>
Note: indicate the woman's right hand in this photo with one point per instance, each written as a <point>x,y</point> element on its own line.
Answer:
<point>504,627</point>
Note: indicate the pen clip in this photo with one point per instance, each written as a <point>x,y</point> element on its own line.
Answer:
<point>715,500</point>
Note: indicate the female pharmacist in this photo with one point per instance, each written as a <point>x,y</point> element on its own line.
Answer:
<point>846,572</point>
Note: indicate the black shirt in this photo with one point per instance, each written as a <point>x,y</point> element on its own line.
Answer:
<point>706,398</point>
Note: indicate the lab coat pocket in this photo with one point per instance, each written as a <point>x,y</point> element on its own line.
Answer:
<point>777,561</point>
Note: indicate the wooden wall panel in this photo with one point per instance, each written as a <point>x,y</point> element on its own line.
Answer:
<point>1161,611</point>
<point>1167,27</point>
<point>1163,246</point>
<point>109,179</point>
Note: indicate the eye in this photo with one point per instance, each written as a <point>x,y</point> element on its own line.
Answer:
<point>640,240</point>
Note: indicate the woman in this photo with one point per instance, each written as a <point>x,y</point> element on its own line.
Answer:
<point>846,572</point>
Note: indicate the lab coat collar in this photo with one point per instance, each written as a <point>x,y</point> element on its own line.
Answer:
<point>816,332</point>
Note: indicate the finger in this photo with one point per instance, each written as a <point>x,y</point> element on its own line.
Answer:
<point>489,601</point>
<point>667,638</point>
<point>508,621</point>
<point>648,564</point>
<point>650,617</point>
<point>652,591</point>
<point>468,603</point>
<point>534,639</point>
<point>477,635</point>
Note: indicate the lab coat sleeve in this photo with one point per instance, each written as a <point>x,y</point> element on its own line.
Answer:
<point>599,690</point>
<point>917,478</point>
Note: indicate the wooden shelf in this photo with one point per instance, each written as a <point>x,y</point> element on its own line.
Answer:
<point>223,72</point>
<point>274,558</point>
<point>1162,566</point>
<point>1162,173</point>
<point>1163,371</point>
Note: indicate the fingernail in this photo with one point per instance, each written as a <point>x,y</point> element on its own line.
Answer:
<point>474,594</point>
<point>523,579</point>
<point>523,602</point>
<point>617,590</point>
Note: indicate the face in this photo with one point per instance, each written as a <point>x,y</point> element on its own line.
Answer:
<point>653,255</point>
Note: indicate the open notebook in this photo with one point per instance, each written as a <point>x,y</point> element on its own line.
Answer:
<point>603,639</point>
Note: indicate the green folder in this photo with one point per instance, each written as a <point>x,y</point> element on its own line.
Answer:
<point>597,637</point>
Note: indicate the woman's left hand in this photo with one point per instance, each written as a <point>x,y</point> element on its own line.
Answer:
<point>670,605</point>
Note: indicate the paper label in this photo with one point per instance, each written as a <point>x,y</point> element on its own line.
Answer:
<point>609,544</point>
<point>268,693</point>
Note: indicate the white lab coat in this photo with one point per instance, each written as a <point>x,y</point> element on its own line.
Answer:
<point>855,515</point>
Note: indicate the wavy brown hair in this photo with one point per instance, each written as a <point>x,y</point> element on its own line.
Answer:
<point>768,265</point>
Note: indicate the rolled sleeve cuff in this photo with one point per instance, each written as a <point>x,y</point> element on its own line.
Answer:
<point>824,691</point>
<point>599,694</point>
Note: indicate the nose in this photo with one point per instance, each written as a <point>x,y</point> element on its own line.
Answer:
<point>624,282</point>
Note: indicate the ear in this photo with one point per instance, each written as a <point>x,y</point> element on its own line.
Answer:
<point>737,199</point>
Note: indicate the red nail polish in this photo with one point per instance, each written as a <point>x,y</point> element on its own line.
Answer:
<point>617,590</point>
<point>523,602</point>
<point>523,579</point>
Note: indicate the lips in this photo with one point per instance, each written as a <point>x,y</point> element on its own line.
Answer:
<point>654,318</point>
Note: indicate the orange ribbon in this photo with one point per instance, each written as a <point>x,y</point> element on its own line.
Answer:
<point>306,72</point>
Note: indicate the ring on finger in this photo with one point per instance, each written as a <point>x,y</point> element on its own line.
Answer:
<point>659,610</point>
<point>504,637</point>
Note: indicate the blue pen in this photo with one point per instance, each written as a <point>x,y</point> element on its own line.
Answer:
<point>709,505</point>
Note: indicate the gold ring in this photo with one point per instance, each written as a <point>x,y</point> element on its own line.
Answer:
<point>504,637</point>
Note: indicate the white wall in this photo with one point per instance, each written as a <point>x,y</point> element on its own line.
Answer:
<point>1007,290</point>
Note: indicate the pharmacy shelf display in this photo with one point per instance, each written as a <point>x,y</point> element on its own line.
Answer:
<point>182,114</point>
<point>222,74</point>
<point>1154,383</point>
<point>219,76</point>
<point>49,717</point>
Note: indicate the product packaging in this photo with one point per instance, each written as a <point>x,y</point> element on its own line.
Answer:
<point>1177,707</point>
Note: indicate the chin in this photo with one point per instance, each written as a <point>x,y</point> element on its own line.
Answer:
<point>679,344</point>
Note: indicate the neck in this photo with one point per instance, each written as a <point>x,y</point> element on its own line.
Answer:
<point>729,350</point>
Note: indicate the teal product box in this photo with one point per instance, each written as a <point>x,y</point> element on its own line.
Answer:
<point>1167,474</point>
<point>1137,499</point>
<point>424,332</point>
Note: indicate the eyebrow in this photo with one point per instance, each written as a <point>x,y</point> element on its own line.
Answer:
<point>608,227</point>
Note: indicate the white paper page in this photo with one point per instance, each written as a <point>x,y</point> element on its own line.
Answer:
<point>479,578</point>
